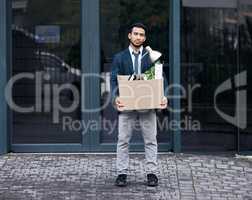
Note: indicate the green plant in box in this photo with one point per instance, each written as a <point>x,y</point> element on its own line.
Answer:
<point>150,73</point>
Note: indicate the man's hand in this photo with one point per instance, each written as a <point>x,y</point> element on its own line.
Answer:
<point>164,102</point>
<point>119,104</point>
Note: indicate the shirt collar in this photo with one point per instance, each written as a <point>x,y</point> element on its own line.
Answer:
<point>131,50</point>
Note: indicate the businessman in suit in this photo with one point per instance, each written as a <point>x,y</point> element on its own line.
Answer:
<point>127,62</point>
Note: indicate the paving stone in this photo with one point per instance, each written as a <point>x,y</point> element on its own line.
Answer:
<point>181,176</point>
<point>238,168</point>
<point>221,166</point>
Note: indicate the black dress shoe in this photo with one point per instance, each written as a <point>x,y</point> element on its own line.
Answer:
<point>152,180</point>
<point>121,180</point>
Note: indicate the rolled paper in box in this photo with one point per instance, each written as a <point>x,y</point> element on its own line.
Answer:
<point>158,71</point>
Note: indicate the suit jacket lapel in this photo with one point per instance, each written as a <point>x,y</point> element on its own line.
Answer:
<point>145,61</point>
<point>128,61</point>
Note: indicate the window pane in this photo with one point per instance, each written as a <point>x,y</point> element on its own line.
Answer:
<point>209,57</point>
<point>116,16</point>
<point>245,50</point>
<point>46,37</point>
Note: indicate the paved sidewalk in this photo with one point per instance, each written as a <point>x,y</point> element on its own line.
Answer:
<point>82,176</point>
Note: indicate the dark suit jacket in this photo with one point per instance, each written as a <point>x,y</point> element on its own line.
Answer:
<point>122,65</point>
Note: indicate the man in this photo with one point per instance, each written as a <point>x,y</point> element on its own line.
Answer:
<point>127,62</point>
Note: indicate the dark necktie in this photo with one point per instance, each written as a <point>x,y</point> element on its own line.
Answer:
<point>136,65</point>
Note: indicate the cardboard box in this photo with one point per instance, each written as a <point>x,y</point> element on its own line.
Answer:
<point>140,94</point>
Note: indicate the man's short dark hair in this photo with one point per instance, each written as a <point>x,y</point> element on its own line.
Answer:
<point>138,25</point>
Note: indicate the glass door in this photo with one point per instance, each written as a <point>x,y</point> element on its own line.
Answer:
<point>209,57</point>
<point>46,72</point>
<point>115,17</point>
<point>216,55</point>
<point>245,61</point>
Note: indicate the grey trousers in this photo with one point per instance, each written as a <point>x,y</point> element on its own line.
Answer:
<point>126,125</point>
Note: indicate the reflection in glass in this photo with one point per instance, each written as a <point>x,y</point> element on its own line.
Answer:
<point>209,57</point>
<point>46,37</point>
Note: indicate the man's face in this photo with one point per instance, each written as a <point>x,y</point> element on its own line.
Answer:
<point>137,36</point>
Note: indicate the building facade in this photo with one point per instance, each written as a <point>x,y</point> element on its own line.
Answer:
<point>55,61</point>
